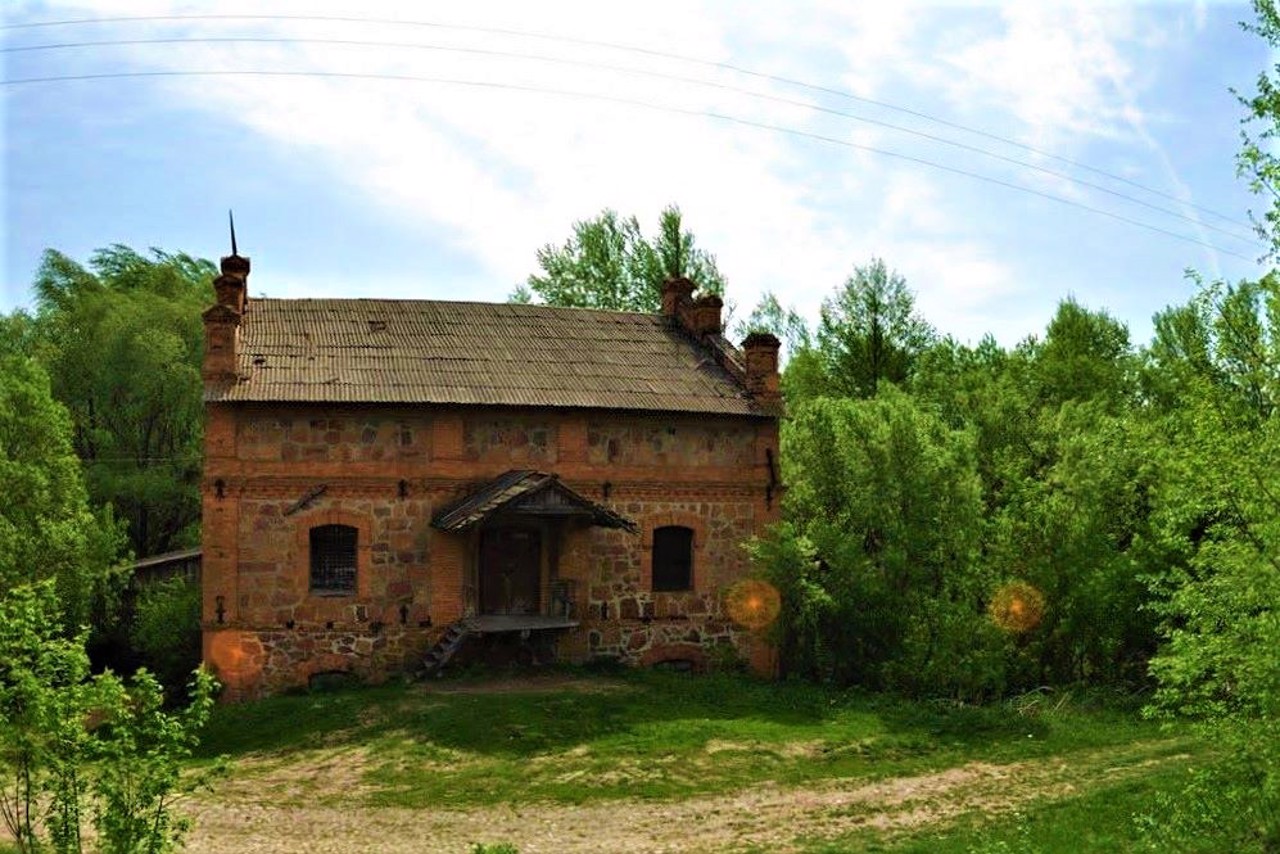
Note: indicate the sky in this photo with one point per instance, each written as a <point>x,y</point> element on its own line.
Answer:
<point>1000,156</point>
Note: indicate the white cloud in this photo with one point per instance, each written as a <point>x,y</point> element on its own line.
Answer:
<point>503,171</point>
<point>1051,67</point>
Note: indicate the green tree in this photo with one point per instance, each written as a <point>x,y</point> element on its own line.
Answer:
<point>784,323</point>
<point>608,263</point>
<point>17,332</point>
<point>46,527</point>
<point>1218,513</point>
<point>139,749</point>
<point>1066,476</point>
<point>71,743</point>
<point>868,332</point>
<point>165,629</point>
<point>1085,356</point>
<point>44,697</point>
<point>122,342</point>
<point>885,498</point>
<point>1215,371</point>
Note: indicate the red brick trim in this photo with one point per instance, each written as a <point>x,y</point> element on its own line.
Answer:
<point>682,519</point>
<point>302,549</point>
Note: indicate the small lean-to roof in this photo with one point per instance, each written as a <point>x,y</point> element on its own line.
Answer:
<point>525,491</point>
<point>436,351</point>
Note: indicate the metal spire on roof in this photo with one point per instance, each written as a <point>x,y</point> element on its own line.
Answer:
<point>231,219</point>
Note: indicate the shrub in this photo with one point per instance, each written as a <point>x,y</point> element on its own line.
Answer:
<point>166,630</point>
<point>70,742</point>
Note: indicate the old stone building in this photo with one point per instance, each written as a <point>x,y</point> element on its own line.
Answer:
<point>384,478</point>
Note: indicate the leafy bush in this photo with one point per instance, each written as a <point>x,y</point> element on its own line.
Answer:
<point>166,630</point>
<point>879,571</point>
<point>1230,805</point>
<point>71,742</point>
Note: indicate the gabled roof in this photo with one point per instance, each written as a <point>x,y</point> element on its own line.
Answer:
<point>435,351</point>
<point>525,492</point>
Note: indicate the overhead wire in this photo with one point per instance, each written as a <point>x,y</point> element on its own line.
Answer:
<point>635,103</point>
<point>636,49</point>
<point>1251,238</point>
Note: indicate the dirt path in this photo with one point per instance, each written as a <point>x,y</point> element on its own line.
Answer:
<point>764,816</point>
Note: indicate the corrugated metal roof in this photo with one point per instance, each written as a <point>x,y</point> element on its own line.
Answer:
<point>436,351</point>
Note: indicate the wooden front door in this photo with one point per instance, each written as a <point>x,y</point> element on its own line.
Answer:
<point>510,570</point>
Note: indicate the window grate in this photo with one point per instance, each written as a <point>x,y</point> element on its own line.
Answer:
<point>333,559</point>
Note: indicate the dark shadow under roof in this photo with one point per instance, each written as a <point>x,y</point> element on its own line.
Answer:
<point>435,351</point>
<point>529,494</point>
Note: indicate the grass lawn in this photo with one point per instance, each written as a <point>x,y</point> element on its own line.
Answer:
<point>574,740</point>
<point>1097,821</point>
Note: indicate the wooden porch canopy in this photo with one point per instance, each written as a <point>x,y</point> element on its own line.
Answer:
<point>526,493</point>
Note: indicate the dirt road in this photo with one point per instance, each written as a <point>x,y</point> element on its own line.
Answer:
<point>242,819</point>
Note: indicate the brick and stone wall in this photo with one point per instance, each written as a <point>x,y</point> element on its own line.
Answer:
<point>523,442</point>
<point>657,442</point>
<point>385,469</point>
<point>352,437</point>
<point>625,618</point>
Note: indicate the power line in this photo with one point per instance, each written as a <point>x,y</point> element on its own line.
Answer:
<point>726,66</point>
<point>642,72</point>
<point>635,103</point>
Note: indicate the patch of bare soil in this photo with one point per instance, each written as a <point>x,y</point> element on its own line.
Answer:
<point>249,819</point>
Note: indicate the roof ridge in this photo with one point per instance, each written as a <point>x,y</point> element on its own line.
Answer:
<point>516,306</point>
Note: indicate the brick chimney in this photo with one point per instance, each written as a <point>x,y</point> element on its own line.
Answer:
<point>222,320</point>
<point>704,315</point>
<point>701,316</point>
<point>760,351</point>
<point>232,287</point>
<point>676,295</point>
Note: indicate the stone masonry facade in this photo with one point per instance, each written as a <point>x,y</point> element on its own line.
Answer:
<point>275,471</point>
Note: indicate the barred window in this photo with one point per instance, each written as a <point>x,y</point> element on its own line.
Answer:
<point>673,558</point>
<point>333,559</point>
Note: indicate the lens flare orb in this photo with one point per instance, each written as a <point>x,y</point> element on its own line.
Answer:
<point>753,604</point>
<point>1017,607</point>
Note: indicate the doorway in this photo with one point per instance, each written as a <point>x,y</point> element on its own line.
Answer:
<point>510,570</point>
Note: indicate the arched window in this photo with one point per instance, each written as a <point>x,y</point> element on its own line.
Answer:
<point>333,559</point>
<point>673,558</point>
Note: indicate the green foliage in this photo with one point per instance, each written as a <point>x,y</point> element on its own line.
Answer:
<point>1085,356</point>
<point>44,696</point>
<point>1257,160</point>
<point>1231,804</point>
<point>69,741</point>
<point>784,323</point>
<point>1070,519</point>
<point>1215,377</point>
<point>1219,517</point>
<point>121,341</point>
<point>1028,467</point>
<point>888,497</point>
<point>139,748</point>
<point>166,630</point>
<point>609,264</point>
<point>495,848</point>
<point>46,527</point>
<point>17,333</point>
<point>869,333</point>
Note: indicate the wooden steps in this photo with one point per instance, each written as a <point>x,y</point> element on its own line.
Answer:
<point>448,645</point>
